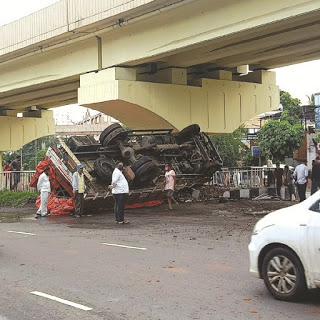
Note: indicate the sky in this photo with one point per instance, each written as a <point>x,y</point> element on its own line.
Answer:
<point>300,80</point>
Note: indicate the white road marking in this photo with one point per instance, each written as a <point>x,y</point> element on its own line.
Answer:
<point>69,303</point>
<point>122,246</point>
<point>27,233</point>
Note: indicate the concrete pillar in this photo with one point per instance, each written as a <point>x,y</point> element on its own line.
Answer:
<point>16,132</point>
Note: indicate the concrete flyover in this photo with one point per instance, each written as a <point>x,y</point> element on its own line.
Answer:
<point>151,63</point>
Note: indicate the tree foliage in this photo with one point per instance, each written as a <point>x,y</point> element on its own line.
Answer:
<point>292,110</point>
<point>280,138</point>
<point>32,153</point>
<point>231,149</point>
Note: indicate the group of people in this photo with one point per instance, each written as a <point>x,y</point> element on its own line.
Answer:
<point>12,178</point>
<point>285,177</point>
<point>119,187</point>
<point>299,178</point>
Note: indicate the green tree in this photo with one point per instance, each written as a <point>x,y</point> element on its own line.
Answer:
<point>230,147</point>
<point>311,100</point>
<point>280,138</point>
<point>292,110</point>
<point>32,152</point>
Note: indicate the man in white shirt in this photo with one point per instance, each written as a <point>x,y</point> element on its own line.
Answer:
<point>43,186</point>
<point>120,188</point>
<point>78,185</point>
<point>301,176</point>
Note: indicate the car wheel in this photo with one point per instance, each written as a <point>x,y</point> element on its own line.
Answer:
<point>283,274</point>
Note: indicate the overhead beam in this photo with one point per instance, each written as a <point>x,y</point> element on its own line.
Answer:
<point>43,101</point>
<point>30,95</point>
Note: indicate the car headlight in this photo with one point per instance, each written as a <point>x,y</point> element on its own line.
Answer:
<point>256,229</point>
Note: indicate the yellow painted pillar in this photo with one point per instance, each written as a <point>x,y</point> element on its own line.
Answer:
<point>16,132</point>
<point>217,106</point>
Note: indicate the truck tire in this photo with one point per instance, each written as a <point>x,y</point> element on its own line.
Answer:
<point>104,169</point>
<point>140,162</point>
<point>146,173</point>
<point>114,136</point>
<point>108,130</point>
<point>188,132</point>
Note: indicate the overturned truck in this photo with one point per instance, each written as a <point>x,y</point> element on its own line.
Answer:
<point>144,153</point>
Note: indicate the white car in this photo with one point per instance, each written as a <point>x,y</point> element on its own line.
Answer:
<point>285,249</point>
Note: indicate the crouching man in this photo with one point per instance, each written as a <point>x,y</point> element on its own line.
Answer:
<point>43,187</point>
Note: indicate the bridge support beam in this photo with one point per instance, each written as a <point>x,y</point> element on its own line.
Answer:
<point>16,132</point>
<point>218,106</point>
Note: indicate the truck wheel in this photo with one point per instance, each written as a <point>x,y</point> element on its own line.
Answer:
<point>108,130</point>
<point>114,136</point>
<point>188,132</point>
<point>283,274</point>
<point>104,169</point>
<point>146,173</point>
<point>140,162</point>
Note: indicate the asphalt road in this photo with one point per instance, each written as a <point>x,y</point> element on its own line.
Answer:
<point>191,263</point>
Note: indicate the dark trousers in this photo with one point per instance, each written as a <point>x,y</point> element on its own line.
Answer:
<point>302,191</point>
<point>78,197</point>
<point>279,185</point>
<point>119,206</point>
<point>314,186</point>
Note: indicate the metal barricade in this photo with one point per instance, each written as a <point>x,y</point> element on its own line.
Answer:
<point>16,180</point>
<point>251,177</point>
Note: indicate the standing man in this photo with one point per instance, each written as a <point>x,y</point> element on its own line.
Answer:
<point>78,190</point>
<point>278,174</point>
<point>170,181</point>
<point>43,186</point>
<point>288,181</point>
<point>7,167</point>
<point>315,176</point>
<point>16,166</point>
<point>301,176</point>
<point>270,172</point>
<point>120,188</point>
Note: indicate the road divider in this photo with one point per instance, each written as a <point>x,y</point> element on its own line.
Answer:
<point>123,246</point>
<point>26,233</point>
<point>67,302</point>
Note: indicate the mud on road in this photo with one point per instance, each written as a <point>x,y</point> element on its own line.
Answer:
<point>226,219</point>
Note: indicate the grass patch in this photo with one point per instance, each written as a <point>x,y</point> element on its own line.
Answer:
<point>15,199</point>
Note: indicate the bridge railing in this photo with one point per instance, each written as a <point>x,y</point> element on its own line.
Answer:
<point>16,180</point>
<point>251,177</point>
